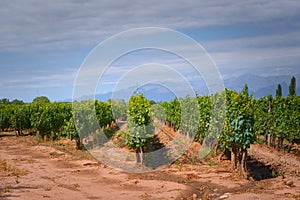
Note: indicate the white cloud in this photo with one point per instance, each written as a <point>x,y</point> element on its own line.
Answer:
<point>37,27</point>
<point>62,24</point>
<point>263,53</point>
<point>15,80</point>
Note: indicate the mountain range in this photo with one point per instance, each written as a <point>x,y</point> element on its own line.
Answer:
<point>260,86</point>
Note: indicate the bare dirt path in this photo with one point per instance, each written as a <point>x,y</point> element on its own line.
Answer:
<point>52,174</point>
<point>36,172</point>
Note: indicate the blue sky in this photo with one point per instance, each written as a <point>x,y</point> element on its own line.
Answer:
<point>43,43</point>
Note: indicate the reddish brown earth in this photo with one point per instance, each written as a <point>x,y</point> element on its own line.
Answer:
<point>58,171</point>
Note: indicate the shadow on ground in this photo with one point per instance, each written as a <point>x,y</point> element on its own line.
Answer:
<point>258,170</point>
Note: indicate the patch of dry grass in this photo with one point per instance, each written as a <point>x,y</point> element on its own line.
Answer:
<point>8,170</point>
<point>4,190</point>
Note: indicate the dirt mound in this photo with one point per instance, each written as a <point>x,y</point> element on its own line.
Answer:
<point>280,161</point>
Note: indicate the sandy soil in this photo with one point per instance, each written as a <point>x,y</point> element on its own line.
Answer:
<point>58,171</point>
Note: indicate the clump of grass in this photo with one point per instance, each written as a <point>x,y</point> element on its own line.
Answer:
<point>278,173</point>
<point>260,141</point>
<point>211,163</point>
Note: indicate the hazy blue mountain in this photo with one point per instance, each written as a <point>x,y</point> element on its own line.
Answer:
<point>262,86</point>
<point>259,85</point>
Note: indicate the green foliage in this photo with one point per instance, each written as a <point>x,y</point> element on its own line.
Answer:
<point>4,101</point>
<point>218,116</point>
<point>69,131</point>
<point>205,112</point>
<point>211,163</point>
<point>5,117</point>
<point>291,125</point>
<point>21,117</point>
<point>292,87</point>
<point>174,114</point>
<point>158,111</point>
<point>91,118</point>
<point>279,173</point>
<point>139,109</point>
<point>104,113</point>
<point>85,119</point>
<point>279,91</point>
<point>51,118</point>
<point>201,117</point>
<point>119,109</point>
<point>189,116</point>
<point>41,99</point>
<point>279,118</point>
<point>140,129</point>
<point>261,116</point>
<point>238,130</point>
<point>15,101</point>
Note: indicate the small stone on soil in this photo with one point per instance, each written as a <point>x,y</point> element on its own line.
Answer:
<point>225,196</point>
<point>194,196</point>
<point>289,183</point>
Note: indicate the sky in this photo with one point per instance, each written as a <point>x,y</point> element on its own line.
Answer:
<point>43,44</point>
